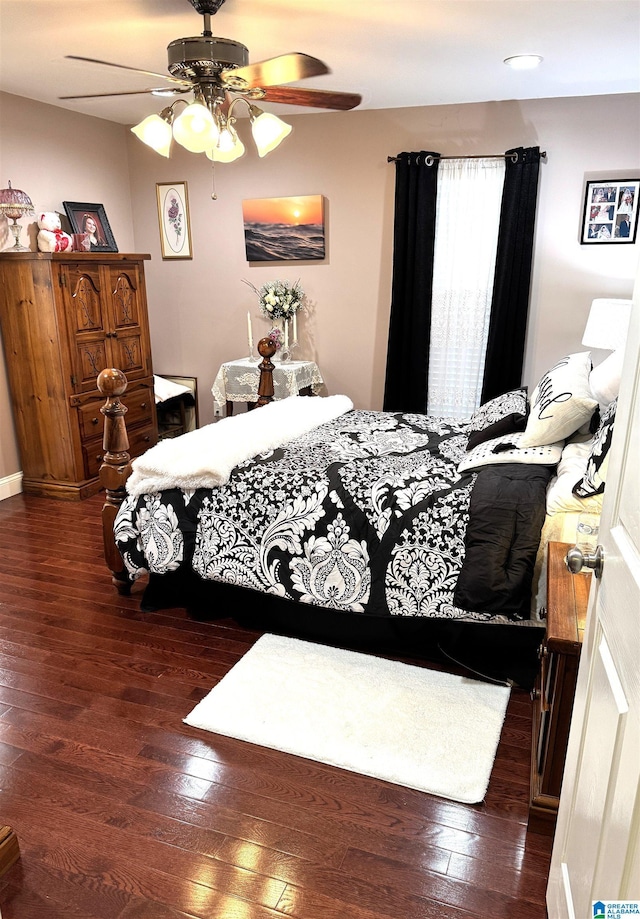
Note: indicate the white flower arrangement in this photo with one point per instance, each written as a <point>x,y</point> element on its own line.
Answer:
<point>279,299</point>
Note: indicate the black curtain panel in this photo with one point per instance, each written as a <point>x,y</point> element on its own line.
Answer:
<point>413,245</point>
<point>510,302</point>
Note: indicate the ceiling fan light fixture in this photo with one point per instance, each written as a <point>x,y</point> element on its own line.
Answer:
<point>228,148</point>
<point>523,61</point>
<point>195,128</point>
<point>268,130</point>
<point>155,132</point>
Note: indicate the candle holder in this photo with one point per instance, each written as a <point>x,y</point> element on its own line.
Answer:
<point>252,358</point>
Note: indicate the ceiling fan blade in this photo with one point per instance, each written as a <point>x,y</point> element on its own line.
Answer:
<point>287,68</point>
<point>314,98</point>
<point>160,91</point>
<point>148,73</point>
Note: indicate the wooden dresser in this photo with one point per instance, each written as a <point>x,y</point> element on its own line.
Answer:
<point>567,598</point>
<point>64,318</point>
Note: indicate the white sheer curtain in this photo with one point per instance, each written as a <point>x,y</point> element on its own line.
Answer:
<point>467,220</point>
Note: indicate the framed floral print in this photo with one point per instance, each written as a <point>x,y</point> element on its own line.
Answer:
<point>173,218</point>
<point>610,211</point>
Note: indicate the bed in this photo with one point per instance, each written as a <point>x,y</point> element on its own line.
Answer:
<point>386,530</point>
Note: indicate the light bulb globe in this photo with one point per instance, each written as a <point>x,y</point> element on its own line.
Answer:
<point>268,131</point>
<point>155,132</point>
<point>195,128</point>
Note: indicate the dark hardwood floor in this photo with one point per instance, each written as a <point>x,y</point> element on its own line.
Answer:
<point>123,812</point>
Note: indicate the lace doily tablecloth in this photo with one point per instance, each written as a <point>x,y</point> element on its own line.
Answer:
<point>237,381</point>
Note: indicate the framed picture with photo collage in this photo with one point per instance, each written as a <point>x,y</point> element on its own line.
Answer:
<point>610,211</point>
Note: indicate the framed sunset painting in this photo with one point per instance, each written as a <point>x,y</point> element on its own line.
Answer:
<point>284,229</point>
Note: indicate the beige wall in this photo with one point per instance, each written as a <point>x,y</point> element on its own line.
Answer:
<point>198,307</point>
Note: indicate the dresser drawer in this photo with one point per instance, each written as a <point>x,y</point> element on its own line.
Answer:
<point>140,412</point>
<point>140,402</point>
<point>140,439</point>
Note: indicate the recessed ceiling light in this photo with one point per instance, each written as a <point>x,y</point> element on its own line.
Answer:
<point>523,61</point>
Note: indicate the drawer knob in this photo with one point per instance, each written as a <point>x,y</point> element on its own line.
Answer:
<point>99,457</point>
<point>143,405</point>
<point>94,421</point>
<point>535,694</point>
<point>147,439</point>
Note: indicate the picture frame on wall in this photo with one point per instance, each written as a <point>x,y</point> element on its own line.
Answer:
<point>284,229</point>
<point>92,219</point>
<point>173,219</point>
<point>610,212</point>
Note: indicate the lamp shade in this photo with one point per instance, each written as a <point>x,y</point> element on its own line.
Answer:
<point>15,203</point>
<point>195,128</point>
<point>155,132</point>
<point>607,324</point>
<point>268,131</point>
<point>228,148</point>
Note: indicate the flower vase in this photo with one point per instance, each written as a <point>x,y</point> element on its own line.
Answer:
<point>277,334</point>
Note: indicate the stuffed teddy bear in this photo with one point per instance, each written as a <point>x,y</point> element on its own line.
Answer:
<point>51,237</point>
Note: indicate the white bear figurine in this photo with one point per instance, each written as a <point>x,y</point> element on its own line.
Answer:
<point>51,237</point>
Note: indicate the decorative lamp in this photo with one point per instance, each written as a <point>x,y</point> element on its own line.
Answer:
<point>14,204</point>
<point>268,130</point>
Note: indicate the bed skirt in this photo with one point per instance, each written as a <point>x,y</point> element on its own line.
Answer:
<point>502,652</point>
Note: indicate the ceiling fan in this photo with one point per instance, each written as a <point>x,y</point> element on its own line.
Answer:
<point>213,69</point>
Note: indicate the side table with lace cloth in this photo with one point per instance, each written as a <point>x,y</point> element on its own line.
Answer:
<point>237,381</point>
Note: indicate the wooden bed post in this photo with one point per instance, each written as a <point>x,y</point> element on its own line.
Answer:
<point>116,461</point>
<point>266,349</point>
<point>115,470</point>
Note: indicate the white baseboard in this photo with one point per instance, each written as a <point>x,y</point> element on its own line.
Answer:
<point>10,485</point>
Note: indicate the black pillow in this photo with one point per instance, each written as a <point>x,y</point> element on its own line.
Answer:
<point>595,476</point>
<point>505,414</point>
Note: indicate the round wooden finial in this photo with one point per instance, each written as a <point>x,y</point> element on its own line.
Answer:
<point>266,348</point>
<point>112,382</point>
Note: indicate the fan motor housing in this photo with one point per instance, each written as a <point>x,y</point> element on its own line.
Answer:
<point>204,55</point>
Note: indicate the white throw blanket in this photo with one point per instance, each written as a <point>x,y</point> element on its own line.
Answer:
<point>205,457</point>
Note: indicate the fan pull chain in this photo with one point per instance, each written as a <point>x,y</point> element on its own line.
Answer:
<point>214,194</point>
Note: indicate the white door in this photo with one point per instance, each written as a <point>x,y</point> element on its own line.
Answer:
<point>596,853</point>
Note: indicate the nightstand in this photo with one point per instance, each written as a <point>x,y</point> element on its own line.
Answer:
<point>237,381</point>
<point>567,598</point>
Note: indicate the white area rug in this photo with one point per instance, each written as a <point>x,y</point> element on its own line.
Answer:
<point>408,725</point>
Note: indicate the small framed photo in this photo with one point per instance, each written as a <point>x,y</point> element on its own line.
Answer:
<point>173,218</point>
<point>610,211</point>
<point>91,219</point>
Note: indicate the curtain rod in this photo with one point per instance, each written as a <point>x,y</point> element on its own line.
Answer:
<point>477,156</point>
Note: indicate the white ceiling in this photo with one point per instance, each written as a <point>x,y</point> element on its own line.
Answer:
<point>393,52</point>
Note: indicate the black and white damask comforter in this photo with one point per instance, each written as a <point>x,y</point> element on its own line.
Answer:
<point>365,514</point>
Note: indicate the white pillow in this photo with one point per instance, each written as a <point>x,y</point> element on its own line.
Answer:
<point>561,402</point>
<point>571,468</point>
<point>509,451</point>
<point>604,380</point>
